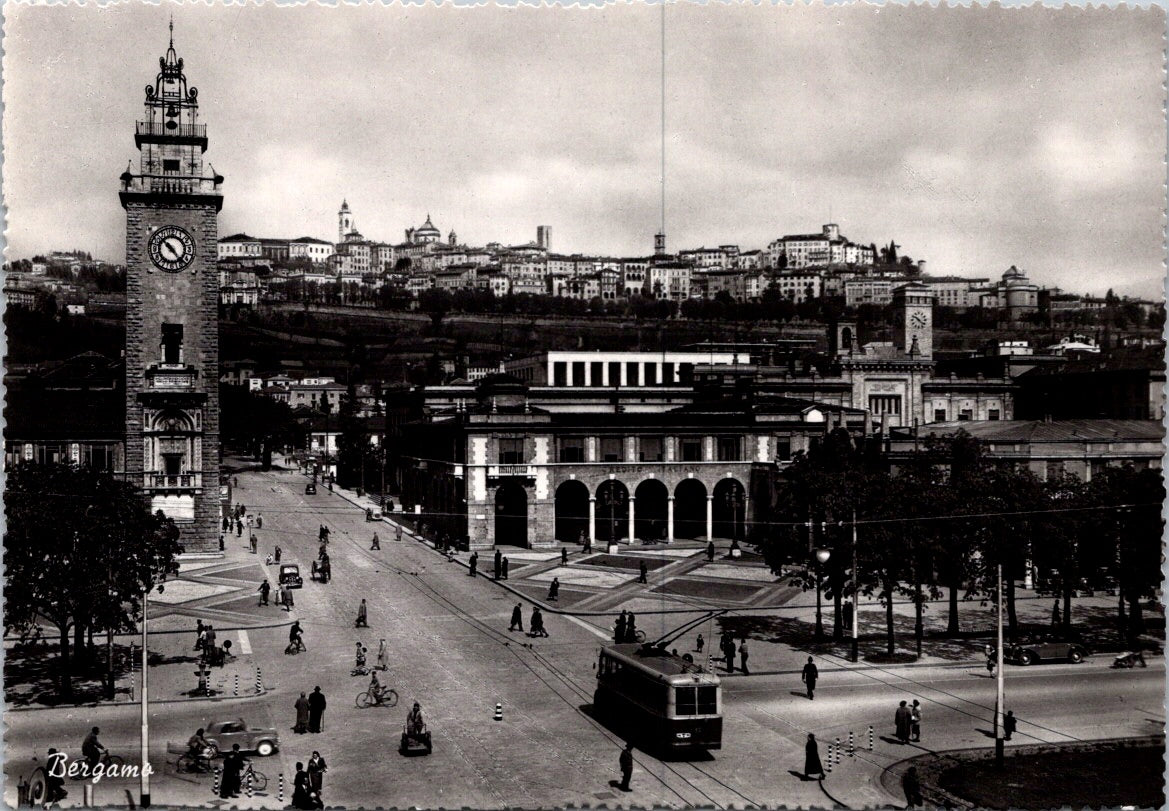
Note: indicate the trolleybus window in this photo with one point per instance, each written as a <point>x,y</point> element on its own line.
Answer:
<point>696,700</point>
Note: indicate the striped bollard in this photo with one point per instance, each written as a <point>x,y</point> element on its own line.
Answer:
<point>836,750</point>
<point>870,737</point>
<point>235,689</point>
<point>851,745</point>
<point>259,681</point>
<point>249,784</point>
<point>280,791</point>
<point>828,762</point>
<point>215,783</point>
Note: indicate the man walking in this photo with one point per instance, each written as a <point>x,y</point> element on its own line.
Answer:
<point>901,721</point>
<point>812,764</point>
<point>377,544</point>
<point>626,764</point>
<point>264,590</point>
<point>254,542</point>
<point>474,564</point>
<point>554,590</point>
<point>1009,724</point>
<point>316,710</point>
<point>710,551</point>
<point>517,618</point>
<point>564,556</point>
<point>538,623</point>
<point>362,617</point>
<point>398,534</point>
<point>498,563</point>
<point>729,652</point>
<point>915,721</point>
<point>302,709</point>
<point>809,677</point>
<point>644,570</point>
<point>743,656</point>
<point>505,562</point>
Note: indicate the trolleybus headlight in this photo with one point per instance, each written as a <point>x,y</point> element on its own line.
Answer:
<point>683,734</point>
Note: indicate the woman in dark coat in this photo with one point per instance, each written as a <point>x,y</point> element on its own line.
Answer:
<point>302,707</point>
<point>316,771</point>
<point>302,796</point>
<point>812,763</point>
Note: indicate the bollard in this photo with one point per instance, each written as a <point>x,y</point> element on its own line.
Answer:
<point>215,783</point>
<point>280,791</point>
<point>836,750</point>
<point>87,795</point>
<point>851,747</point>
<point>870,737</point>
<point>248,787</point>
<point>499,711</point>
<point>259,681</point>
<point>828,761</point>
<point>235,689</point>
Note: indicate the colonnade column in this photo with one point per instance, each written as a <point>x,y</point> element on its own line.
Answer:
<point>592,519</point>
<point>746,512</point>
<point>709,517</point>
<point>670,519</point>
<point>631,514</point>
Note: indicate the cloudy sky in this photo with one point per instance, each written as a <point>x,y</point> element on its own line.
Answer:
<point>977,138</point>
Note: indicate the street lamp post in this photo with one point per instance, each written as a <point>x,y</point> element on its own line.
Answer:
<point>998,701</point>
<point>822,556</point>
<point>854,653</point>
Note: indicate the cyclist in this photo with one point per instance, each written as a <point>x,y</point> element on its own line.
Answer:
<point>294,637</point>
<point>376,691</point>
<point>199,750</point>
<point>92,749</point>
<point>359,659</point>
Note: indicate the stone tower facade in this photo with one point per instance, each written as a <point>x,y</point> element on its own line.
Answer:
<point>172,325</point>
<point>913,313</point>
<point>344,221</point>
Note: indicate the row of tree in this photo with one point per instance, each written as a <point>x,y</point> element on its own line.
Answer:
<point>945,520</point>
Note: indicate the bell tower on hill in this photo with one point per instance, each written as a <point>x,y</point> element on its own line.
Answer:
<point>172,327</point>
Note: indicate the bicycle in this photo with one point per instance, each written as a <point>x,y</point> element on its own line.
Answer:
<point>295,647</point>
<point>105,760</point>
<point>193,764</point>
<point>389,698</point>
<point>259,779</point>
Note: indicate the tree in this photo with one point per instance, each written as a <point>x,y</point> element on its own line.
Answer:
<point>81,551</point>
<point>255,422</point>
<point>436,303</point>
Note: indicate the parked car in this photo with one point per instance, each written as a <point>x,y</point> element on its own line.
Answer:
<point>1039,649</point>
<point>310,489</point>
<point>222,734</point>
<point>290,576</point>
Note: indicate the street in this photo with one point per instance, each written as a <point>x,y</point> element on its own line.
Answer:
<point>451,652</point>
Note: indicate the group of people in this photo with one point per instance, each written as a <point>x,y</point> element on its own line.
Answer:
<point>308,783</point>
<point>500,566</point>
<point>206,643</point>
<point>727,646</point>
<point>625,629</point>
<point>310,712</point>
<point>284,596</point>
<point>907,721</point>
<point>536,623</point>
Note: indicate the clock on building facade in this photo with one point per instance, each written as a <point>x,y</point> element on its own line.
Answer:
<point>172,331</point>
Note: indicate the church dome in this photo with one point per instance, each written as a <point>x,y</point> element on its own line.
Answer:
<point>427,229</point>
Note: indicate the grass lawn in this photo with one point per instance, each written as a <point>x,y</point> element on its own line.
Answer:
<point>1109,774</point>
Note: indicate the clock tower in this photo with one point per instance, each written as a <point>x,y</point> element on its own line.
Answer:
<point>172,327</point>
<point>913,313</point>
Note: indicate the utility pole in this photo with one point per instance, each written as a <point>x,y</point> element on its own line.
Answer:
<point>998,700</point>
<point>144,799</point>
<point>856,594</point>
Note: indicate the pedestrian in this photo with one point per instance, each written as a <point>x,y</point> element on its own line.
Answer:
<point>1009,723</point>
<point>847,610</point>
<point>288,602</point>
<point>912,788</point>
<point>259,520</point>
<point>626,764</point>
<point>517,618</point>
<point>644,570</point>
<point>990,665</point>
<point>302,790</point>
<point>324,533</point>
<point>809,677</point>
<point>264,590</point>
<point>498,563</point>
<point>630,627</point>
<point>316,771</point>
<point>200,634</point>
<point>226,524</point>
<point>554,590</point>
<point>505,562</point>
<point>383,656</point>
<point>316,709</point>
<point>277,554</point>
<point>537,623</point>
<point>322,552</point>
<point>699,643</point>
<point>233,764</point>
<point>619,629</point>
<point>583,539</point>
<point>362,617</point>
<point>564,556</point>
<point>279,595</point>
<point>239,529</point>
<point>812,764</point>
<point>377,544</point>
<point>359,660</point>
<point>474,564</point>
<point>209,638</point>
<point>302,708</point>
<point>254,542</point>
<point>1055,612</point>
<point>729,652</point>
<point>743,656</point>
<point>588,542</point>
<point>251,522</point>
<point>901,721</point>
<point>398,533</point>
<point>915,721</point>
<point>710,551</point>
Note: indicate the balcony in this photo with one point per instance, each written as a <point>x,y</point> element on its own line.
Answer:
<point>170,376</point>
<point>511,471</point>
<point>157,132</point>
<point>173,481</point>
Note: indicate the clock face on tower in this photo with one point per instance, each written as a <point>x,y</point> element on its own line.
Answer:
<point>171,248</point>
<point>918,320</point>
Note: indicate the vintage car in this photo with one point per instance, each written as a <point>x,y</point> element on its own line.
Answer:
<point>290,576</point>
<point>310,489</point>
<point>1030,650</point>
<point>222,734</point>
